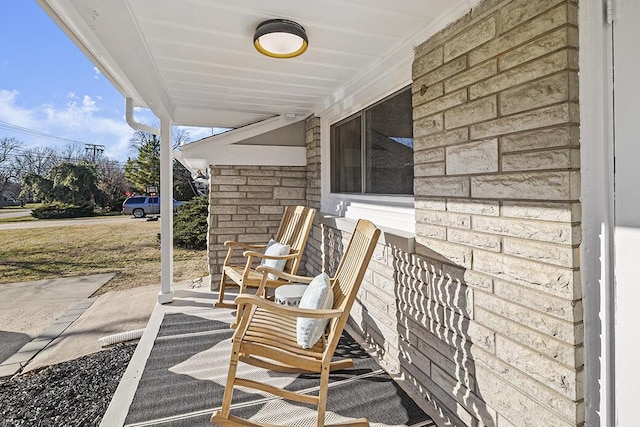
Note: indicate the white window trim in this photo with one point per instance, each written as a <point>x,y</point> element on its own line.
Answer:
<point>389,76</point>
<point>402,240</point>
<point>378,206</point>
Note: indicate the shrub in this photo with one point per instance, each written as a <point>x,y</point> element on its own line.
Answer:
<point>190,224</point>
<point>116,205</point>
<point>60,210</point>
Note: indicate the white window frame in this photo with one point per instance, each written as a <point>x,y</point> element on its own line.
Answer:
<point>393,211</point>
<point>361,115</point>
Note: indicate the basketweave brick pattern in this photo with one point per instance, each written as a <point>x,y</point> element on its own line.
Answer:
<point>313,253</point>
<point>488,312</point>
<point>246,205</point>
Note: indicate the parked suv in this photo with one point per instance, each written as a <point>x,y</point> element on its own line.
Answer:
<point>141,206</point>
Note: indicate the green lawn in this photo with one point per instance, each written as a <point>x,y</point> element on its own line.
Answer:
<point>131,249</point>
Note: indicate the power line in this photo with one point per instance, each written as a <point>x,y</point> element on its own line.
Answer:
<point>95,149</point>
<point>19,152</point>
<point>32,132</point>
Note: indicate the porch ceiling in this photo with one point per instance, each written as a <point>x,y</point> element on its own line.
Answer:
<point>193,61</point>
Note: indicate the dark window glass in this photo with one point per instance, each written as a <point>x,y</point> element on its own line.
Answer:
<point>389,146</point>
<point>153,200</point>
<point>385,147</point>
<point>347,156</point>
<point>137,200</point>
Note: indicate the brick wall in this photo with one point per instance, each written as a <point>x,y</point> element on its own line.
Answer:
<point>484,319</point>
<point>374,313</point>
<point>246,204</point>
<point>313,253</point>
<point>495,321</point>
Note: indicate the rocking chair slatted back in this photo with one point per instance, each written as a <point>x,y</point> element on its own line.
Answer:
<point>266,334</point>
<point>294,229</point>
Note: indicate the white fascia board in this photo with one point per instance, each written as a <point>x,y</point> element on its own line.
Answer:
<point>391,74</point>
<point>240,134</point>
<point>192,163</point>
<point>72,24</point>
<point>246,155</point>
<point>259,155</point>
<point>129,67</point>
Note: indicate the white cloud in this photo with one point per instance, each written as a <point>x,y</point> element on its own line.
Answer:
<point>80,119</point>
<point>96,73</point>
<point>12,113</point>
<point>89,104</point>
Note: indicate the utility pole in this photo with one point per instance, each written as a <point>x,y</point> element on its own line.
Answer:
<point>93,150</point>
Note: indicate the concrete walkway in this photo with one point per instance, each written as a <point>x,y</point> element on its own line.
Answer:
<point>46,322</point>
<point>32,314</point>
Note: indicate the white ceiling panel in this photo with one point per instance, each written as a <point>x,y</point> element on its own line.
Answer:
<point>194,61</point>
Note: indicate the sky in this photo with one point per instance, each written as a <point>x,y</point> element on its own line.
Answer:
<point>48,86</point>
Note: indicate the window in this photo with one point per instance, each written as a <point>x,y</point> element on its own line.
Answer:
<point>372,151</point>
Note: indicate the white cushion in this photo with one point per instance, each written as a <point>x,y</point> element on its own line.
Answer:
<point>318,295</point>
<point>275,249</point>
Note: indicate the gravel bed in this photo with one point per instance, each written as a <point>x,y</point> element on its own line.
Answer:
<point>73,393</point>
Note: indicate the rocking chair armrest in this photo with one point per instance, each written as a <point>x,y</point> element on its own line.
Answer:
<point>264,269</point>
<point>276,257</point>
<point>237,245</point>
<point>234,244</point>
<point>248,299</point>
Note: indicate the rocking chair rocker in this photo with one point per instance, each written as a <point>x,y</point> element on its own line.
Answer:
<point>266,334</point>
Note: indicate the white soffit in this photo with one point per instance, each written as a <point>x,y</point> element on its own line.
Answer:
<point>193,61</point>
<point>243,133</point>
<point>227,148</point>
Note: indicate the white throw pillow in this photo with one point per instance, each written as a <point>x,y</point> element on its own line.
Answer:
<point>318,295</point>
<point>275,249</point>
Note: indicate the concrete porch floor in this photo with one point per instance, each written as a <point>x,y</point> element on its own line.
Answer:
<point>196,301</point>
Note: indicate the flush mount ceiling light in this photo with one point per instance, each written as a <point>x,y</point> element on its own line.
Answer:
<point>280,38</point>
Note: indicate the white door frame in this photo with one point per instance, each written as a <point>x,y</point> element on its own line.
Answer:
<point>597,246</point>
<point>626,65</point>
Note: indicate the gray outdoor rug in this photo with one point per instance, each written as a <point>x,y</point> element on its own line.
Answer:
<point>183,383</point>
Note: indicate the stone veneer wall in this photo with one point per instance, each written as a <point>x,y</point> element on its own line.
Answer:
<point>485,318</point>
<point>498,215</point>
<point>246,205</point>
<point>313,252</point>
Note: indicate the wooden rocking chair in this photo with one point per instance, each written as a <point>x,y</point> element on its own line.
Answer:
<point>266,335</point>
<point>294,229</point>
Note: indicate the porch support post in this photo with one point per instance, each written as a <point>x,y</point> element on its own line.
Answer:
<point>166,213</point>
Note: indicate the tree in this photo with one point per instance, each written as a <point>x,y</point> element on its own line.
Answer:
<point>73,152</point>
<point>144,170</point>
<point>183,186</point>
<point>8,149</point>
<point>112,182</point>
<point>190,225</point>
<point>38,160</point>
<point>68,183</point>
